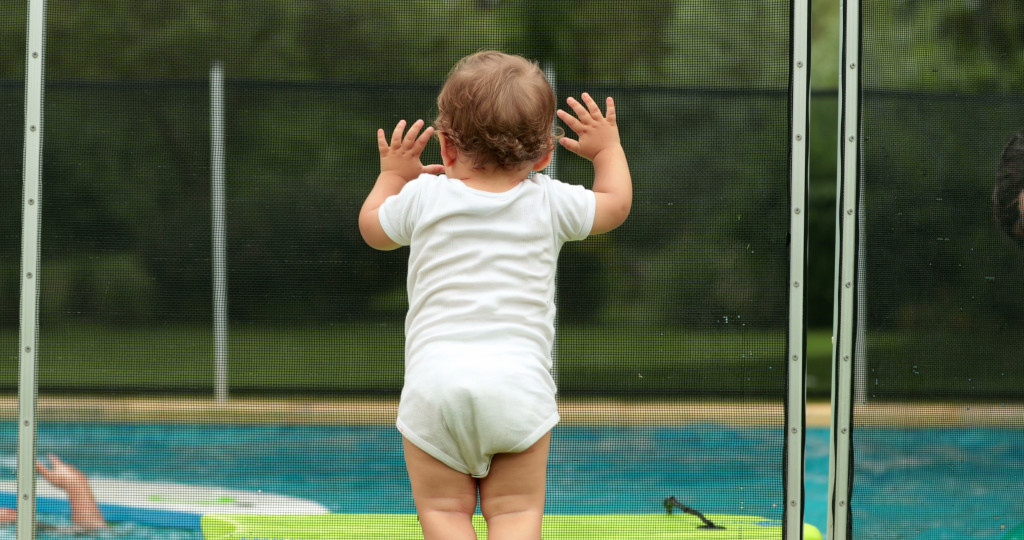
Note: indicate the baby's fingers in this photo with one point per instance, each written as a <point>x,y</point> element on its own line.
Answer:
<point>400,138</point>
<point>570,144</point>
<point>396,136</point>
<point>423,139</point>
<point>569,120</point>
<point>582,112</point>
<point>414,130</point>
<point>609,108</point>
<point>592,107</point>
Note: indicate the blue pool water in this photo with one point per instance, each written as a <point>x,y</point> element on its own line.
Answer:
<point>950,484</point>
<point>606,469</point>
<point>714,468</point>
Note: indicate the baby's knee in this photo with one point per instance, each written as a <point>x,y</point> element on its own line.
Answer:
<point>508,524</point>
<point>518,506</point>
<point>446,514</point>
<point>447,525</point>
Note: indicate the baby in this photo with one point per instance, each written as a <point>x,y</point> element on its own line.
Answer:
<point>484,231</point>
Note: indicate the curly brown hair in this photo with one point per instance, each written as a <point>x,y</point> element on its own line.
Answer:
<point>498,109</point>
<point>1009,184</point>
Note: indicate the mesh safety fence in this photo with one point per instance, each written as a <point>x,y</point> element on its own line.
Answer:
<point>671,331</point>
<point>937,397</point>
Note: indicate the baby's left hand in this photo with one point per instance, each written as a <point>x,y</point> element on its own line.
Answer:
<point>597,132</point>
<point>402,156</point>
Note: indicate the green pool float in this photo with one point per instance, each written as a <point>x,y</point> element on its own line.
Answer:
<point>556,527</point>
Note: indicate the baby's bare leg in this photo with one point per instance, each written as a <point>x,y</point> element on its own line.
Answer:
<point>445,498</point>
<point>512,495</point>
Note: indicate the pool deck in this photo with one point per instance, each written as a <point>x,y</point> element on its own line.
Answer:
<point>371,411</point>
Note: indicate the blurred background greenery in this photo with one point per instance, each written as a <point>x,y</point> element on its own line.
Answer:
<point>126,235</point>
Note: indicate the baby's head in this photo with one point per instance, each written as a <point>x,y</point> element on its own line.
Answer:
<point>498,109</point>
<point>1008,195</point>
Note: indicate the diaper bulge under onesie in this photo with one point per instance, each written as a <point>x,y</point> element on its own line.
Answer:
<point>464,409</point>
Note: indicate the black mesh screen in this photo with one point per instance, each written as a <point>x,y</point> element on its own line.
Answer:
<point>12,118</point>
<point>671,345</point>
<point>937,394</point>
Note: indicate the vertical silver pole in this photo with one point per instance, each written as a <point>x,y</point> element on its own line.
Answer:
<point>840,473</point>
<point>219,255</point>
<point>796,399</point>
<point>29,322</point>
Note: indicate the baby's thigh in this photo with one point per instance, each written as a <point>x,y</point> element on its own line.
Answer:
<point>436,486</point>
<point>516,482</point>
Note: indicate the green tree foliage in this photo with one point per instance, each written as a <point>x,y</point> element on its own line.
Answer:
<point>729,44</point>
<point>604,41</point>
<point>12,39</point>
<point>701,86</point>
<point>961,46</point>
<point>308,83</point>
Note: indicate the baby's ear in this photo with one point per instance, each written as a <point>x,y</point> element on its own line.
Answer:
<point>449,153</point>
<point>544,161</point>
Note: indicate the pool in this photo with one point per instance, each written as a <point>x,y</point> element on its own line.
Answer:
<point>925,483</point>
<point>605,469</point>
<point>951,483</point>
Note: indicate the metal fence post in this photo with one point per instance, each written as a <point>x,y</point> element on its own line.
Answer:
<point>29,308</point>
<point>843,356</point>
<point>796,358</point>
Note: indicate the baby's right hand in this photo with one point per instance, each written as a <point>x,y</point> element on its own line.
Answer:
<point>596,131</point>
<point>402,156</point>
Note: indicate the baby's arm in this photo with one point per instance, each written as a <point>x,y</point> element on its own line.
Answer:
<point>399,163</point>
<point>599,142</point>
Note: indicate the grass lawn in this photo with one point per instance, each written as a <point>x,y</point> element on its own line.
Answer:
<point>366,358</point>
<point>592,361</point>
<point>819,363</point>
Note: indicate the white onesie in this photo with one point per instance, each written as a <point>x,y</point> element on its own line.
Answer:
<point>480,327</point>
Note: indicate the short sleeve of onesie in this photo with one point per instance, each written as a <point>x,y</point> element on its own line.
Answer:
<point>398,213</point>
<point>572,208</point>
